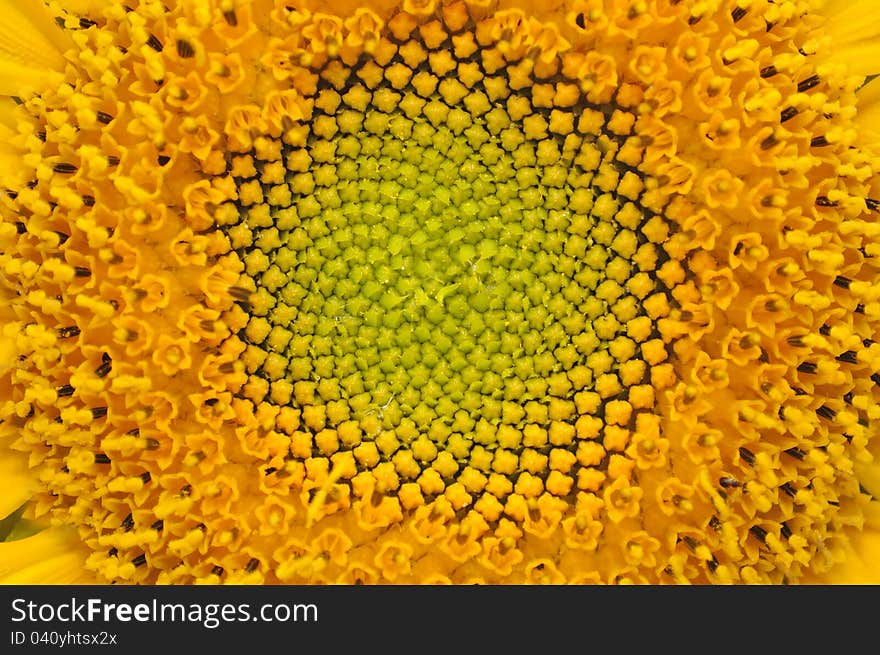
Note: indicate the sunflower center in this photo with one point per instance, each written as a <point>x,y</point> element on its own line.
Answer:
<point>447,275</point>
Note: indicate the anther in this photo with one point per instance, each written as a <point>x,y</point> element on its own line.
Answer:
<point>163,159</point>
<point>787,114</point>
<point>769,142</point>
<point>82,271</point>
<point>797,453</point>
<point>101,458</point>
<point>747,456</point>
<point>64,168</point>
<point>113,160</point>
<point>67,332</point>
<point>252,565</point>
<point>848,357</point>
<point>154,43</point>
<point>737,14</point>
<point>99,412</point>
<point>785,531</point>
<point>88,201</point>
<point>140,560</point>
<point>818,141</point>
<point>729,483</point>
<point>240,293</point>
<point>873,205</point>
<point>104,117</point>
<point>759,533</point>
<point>64,391</point>
<point>823,201</point>
<point>826,412</point>
<point>769,71</point>
<point>217,570</point>
<point>152,444</point>
<point>128,522</point>
<point>105,367</point>
<point>146,477</point>
<point>809,83</point>
<point>789,489</point>
<point>807,367</point>
<point>230,18</point>
<point>158,525</point>
<point>185,49</point>
<point>20,227</point>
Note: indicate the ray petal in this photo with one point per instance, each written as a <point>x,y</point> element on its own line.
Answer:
<point>53,556</point>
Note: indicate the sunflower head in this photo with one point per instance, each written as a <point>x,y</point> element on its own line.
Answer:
<point>439,291</point>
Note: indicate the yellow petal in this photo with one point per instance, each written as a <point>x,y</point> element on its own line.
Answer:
<point>53,556</point>
<point>858,557</point>
<point>82,7</point>
<point>8,119</point>
<point>869,478</point>
<point>16,483</point>
<point>854,28</point>
<point>852,20</point>
<point>868,118</point>
<point>860,57</point>
<point>31,47</point>
<point>11,176</point>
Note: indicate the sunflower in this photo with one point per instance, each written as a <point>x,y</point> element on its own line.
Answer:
<point>415,291</point>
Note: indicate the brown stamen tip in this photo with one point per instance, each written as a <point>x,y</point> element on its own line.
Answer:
<point>185,49</point>
<point>809,83</point>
